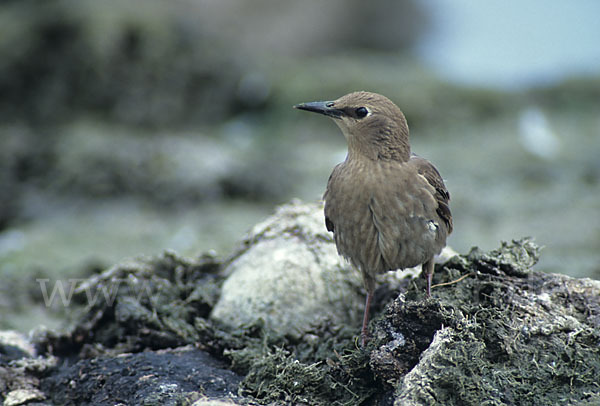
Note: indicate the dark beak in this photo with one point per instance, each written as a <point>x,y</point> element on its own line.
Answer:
<point>324,107</point>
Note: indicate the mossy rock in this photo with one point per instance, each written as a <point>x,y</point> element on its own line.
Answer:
<point>494,332</point>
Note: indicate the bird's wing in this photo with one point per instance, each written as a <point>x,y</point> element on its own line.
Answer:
<point>329,208</point>
<point>442,196</point>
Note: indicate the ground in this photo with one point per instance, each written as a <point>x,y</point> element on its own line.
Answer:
<point>495,330</point>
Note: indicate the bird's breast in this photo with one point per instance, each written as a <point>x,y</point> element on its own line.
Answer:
<point>384,216</point>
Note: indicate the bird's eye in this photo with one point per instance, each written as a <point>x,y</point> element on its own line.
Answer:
<point>361,112</point>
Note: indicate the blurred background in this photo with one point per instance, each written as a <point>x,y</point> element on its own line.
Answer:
<point>128,128</point>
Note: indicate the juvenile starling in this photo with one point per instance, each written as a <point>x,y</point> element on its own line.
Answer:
<point>387,208</point>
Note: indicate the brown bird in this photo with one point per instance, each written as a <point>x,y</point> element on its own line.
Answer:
<point>387,208</point>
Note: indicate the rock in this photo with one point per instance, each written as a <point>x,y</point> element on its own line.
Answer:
<point>144,303</point>
<point>19,371</point>
<point>276,323</point>
<point>23,396</point>
<point>288,274</point>
<point>209,402</point>
<point>495,331</point>
<point>166,377</point>
<point>14,345</point>
<point>504,335</point>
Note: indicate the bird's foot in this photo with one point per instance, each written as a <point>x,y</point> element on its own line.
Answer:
<point>364,339</point>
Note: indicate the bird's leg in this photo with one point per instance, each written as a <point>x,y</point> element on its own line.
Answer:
<point>364,333</point>
<point>427,270</point>
<point>429,279</point>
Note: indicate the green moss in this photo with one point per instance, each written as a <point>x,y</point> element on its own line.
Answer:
<point>276,375</point>
<point>505,335</point>
<point>495,332</point>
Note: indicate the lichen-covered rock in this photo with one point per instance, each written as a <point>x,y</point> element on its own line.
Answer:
<point>494,332</point>
<point>504,335</point>
<point>20,370</point>
<point>289,275</point>
<point>143,303</point>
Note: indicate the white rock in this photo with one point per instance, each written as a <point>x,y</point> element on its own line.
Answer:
<point>290,275</point>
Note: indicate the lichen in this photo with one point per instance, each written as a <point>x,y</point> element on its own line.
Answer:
<point>504,335</point>
<point>494,332</point>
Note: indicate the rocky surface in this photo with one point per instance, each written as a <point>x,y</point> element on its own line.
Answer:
<point>158,331</point>
<point>288,274</point>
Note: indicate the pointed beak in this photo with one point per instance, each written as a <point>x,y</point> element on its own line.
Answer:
<point>322,107</point>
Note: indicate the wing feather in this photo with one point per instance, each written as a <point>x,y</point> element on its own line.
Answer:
<point>442,196</point>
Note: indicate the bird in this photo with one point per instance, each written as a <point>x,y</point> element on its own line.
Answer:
<point>388,208</point>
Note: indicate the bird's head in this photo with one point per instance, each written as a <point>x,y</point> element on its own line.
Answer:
<point>372,124</point>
